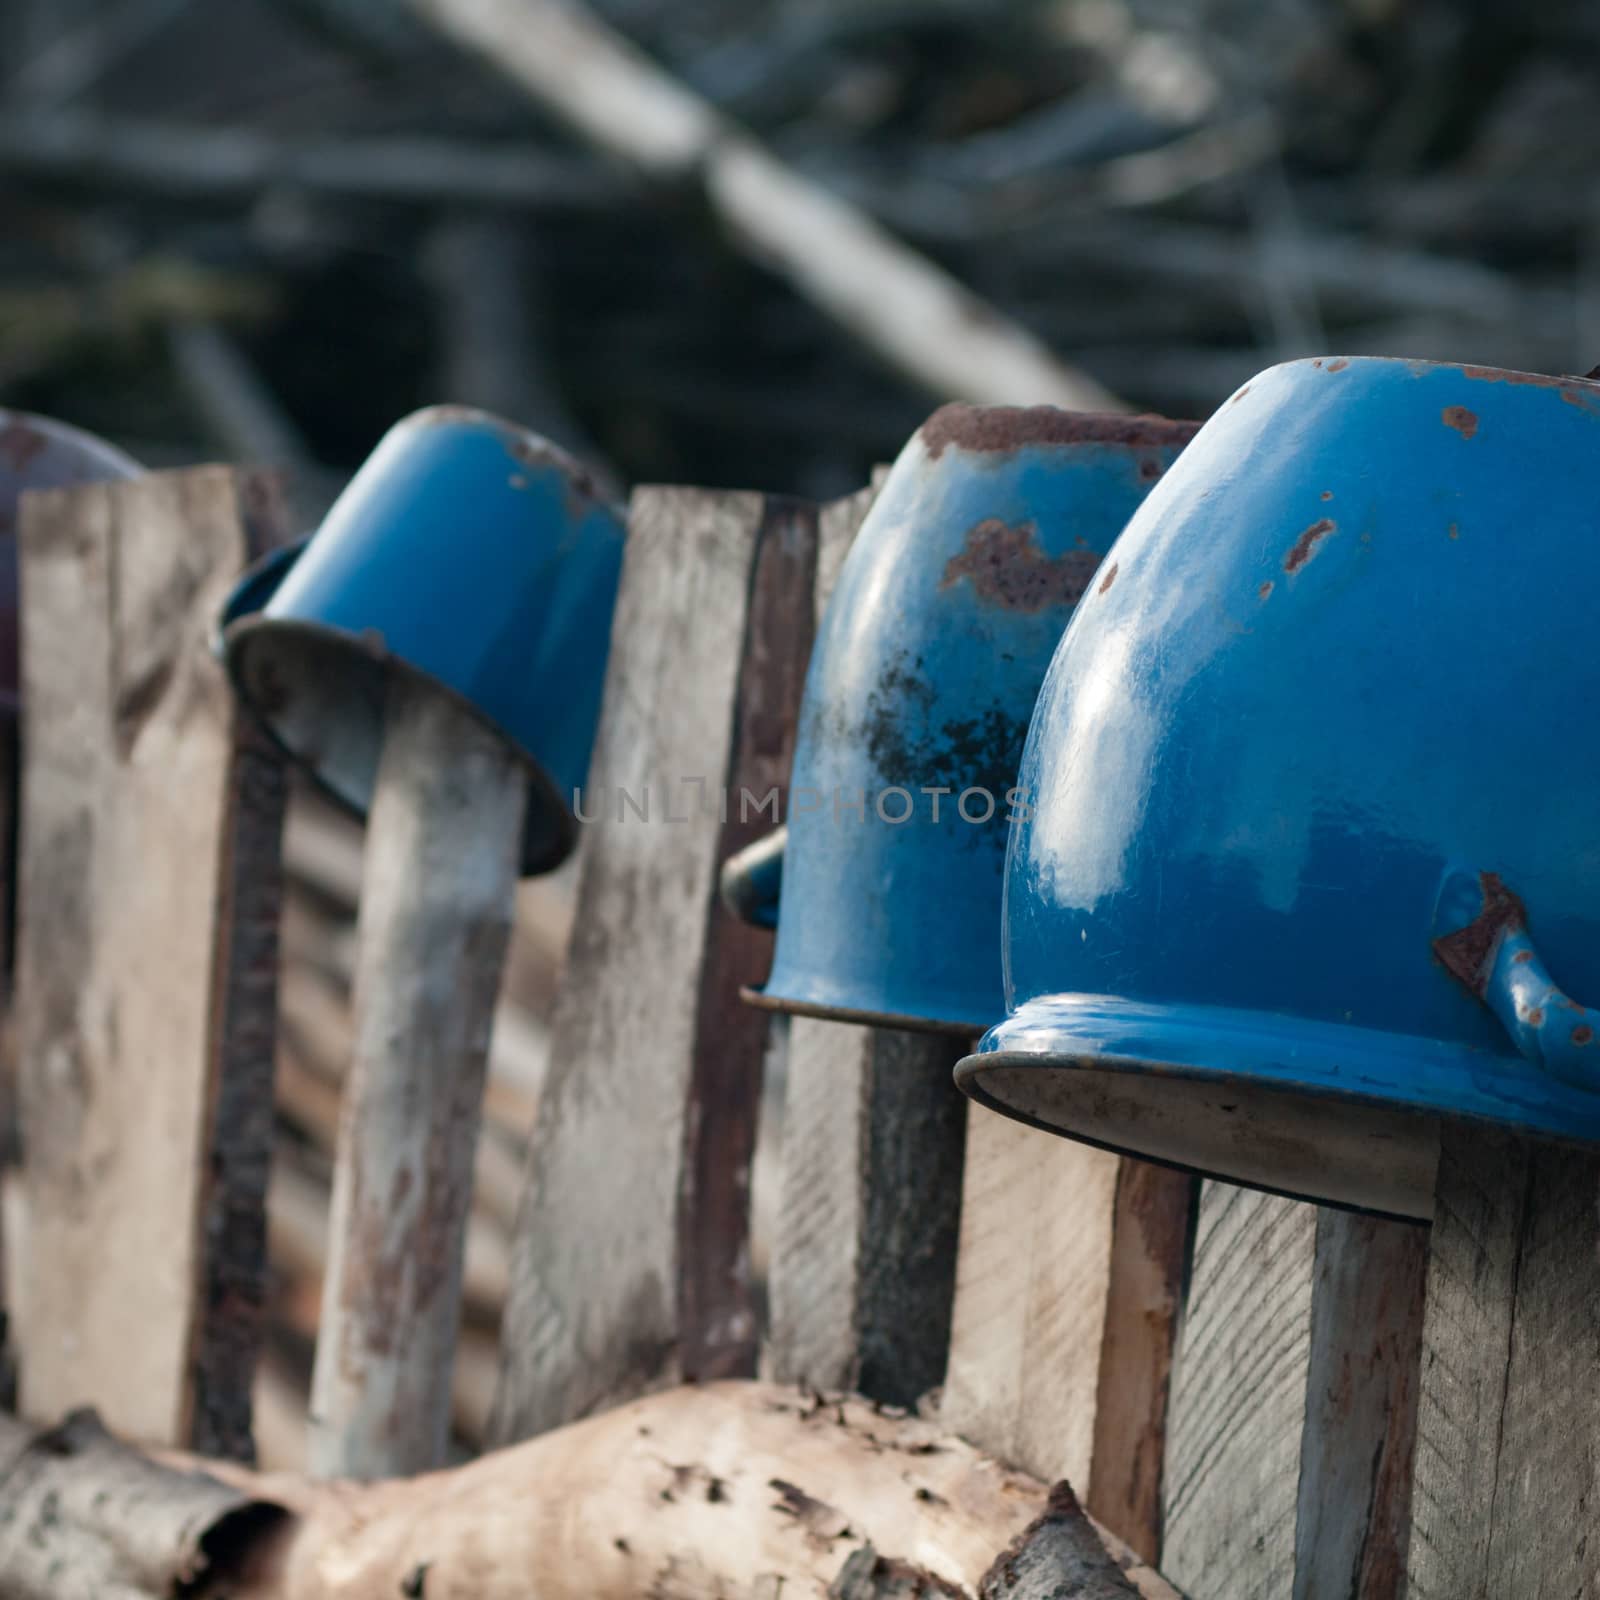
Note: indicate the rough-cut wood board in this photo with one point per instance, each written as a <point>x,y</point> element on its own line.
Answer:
<point>863,1268</point>
<point>1032,1278</point>
<point>718,1331</point>
<point>863,1262</point>
<point>440,869</point>
<point>620,1179</point>
<point>1506,1474</point>
<point>1238,1398</point>
<point>147,962</point>
<point>1293,1403</point>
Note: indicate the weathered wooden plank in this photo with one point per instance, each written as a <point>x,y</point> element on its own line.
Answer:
<point>1294,1402</point>
<point>439,886</point>
<point>718,1331</point>
<point>863,1268</point>
<point>635,1160</point>
<point>1152,1216</point>
<point>1363,1375</point>
<point>146,963</point>
<point>1032,1278</point>
<point>1505,1477</point>
<point>1238,1398</point>
<point>863,1263</point>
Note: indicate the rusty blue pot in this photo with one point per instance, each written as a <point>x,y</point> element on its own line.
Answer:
<point>39,453</point>
<point>1314,858</point>
<point>986,533</point>
<point>469,554</point>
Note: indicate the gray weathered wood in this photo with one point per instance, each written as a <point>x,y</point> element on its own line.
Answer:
<point>863,1262</point>
<point>1293,1403</point>
<point>1071,1263</point>
<point>146,983</point>
<point>1506,1468</point>
<point>1238,1400</point>
<point>1059,1557</point>
<point>863,1267</point>
<point>631,1254</point>
<point>439,884</point>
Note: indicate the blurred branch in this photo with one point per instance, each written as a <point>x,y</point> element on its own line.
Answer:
<point>244,416</point>
<point>477,268</point>
<point>201,163</point>
<point>76,60</point>
<point>911,312</point>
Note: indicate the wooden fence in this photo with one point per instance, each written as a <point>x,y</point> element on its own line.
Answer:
<point>1264,1398</point>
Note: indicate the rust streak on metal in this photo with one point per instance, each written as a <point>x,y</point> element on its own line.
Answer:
<point>1001,429</point>
<point>1463,421</point>
<point>1008,568</point>
<point>1338,365</point>
<point>1110,577</point>
<point>1305,546</point>
<point>1468,953</point>
<point>1265,590</point>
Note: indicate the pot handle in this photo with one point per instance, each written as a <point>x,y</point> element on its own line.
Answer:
<point>751,879</point>
<point>1494,957</point>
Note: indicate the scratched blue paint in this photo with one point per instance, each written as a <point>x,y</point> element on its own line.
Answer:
<point>39,453</point>
<point>468,553</point>
<point>924,671</point>
<point>1341,676</point>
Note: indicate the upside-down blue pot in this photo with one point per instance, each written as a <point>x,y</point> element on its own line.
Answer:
<point>987,531</point>
<point>466,553</point>
<point>1314,857</point>
<point>39,453</point>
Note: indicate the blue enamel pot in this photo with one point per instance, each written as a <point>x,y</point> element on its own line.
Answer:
<point>1313,858</point>
<point>466,553</point>
<point>986,533</point>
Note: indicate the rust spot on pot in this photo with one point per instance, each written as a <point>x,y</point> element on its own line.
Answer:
<point>1338,365</point>
<point>1463,421</point>
<point>1536,1017</point>
<point>1305,546</point>
<point>1467,953</point>
<point>19,444</point>
<point>1327,494</point>
<point>1240,395</point>
<point>1006,567</point>
<point>1265,589</point>
<point>1003,429</point>
<point>1110,577</point>
<point>1582,1034</point>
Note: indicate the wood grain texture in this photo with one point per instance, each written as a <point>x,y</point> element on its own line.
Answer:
<point>1032,1277</point>
<point>1293,1405</point>
<point>1152,1218</point>
<point>863,1269</point>
<point>1363,1375</point>
<point>598,1294</point>
<point>1237,1416</point>
<point>438,891</point>
<point>1506,1470</point>
<point>717,1322</point>
<point>146,965</point>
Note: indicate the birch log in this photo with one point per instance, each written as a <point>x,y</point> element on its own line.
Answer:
<point>722,1492</point>
<point>147,962</point>
<point>439,883</point>
<point>894,300</point>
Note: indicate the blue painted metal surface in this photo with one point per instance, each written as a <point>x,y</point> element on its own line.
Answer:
<point>947,608</point>
<point>39,453</point>
<point>470,554</point>
<point>1309,786</point>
